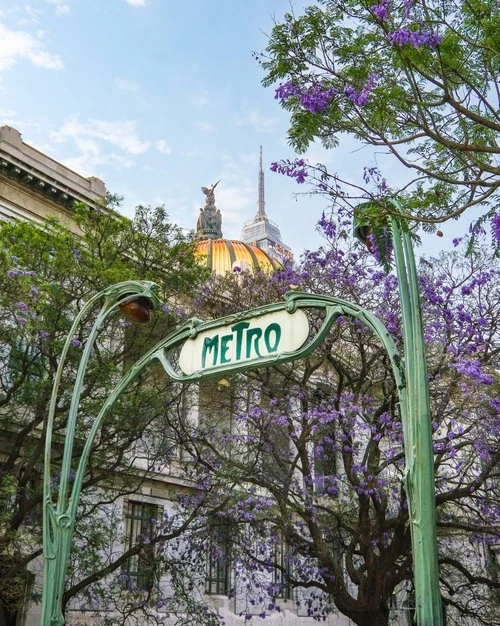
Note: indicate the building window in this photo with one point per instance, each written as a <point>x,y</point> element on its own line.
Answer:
<point>139,570</point>
<point>218,564</point>
<point>325,469</point>
<point>25,360</point>
<point>283,571</point>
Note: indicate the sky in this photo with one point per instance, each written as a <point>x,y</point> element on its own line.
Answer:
<point>159,98</point>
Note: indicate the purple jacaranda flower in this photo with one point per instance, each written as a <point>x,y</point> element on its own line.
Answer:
<point>415,38</point>
<point>473,370</point>
<point>76,343</point>
<point>294,169</point>
<point>21,320</point>
<point>495,404</point>
<point>315,99</point>
<point>381,10</point>
<point>285,91</point>
<point>328,226</point>
<point>408,4</point>
<point>373,174</point>
<point>23,306</point>
<point>495,226</point>
<point>361,98</point>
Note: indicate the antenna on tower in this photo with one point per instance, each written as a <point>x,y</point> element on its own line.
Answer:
<point>261,204</point>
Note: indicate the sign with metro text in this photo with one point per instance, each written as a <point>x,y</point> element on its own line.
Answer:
<point>261,339</point>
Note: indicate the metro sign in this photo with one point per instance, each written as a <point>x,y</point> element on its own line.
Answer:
<point>258,339</point>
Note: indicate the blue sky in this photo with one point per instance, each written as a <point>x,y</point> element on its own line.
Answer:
<point>159,98</point>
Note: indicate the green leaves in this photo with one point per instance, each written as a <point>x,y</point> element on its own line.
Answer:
<point>434,107</point>
<point>46,272</point>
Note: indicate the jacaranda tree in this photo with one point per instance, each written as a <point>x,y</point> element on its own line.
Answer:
<point>414,79</point>
<point>299,468</point>
<point>46,273</point>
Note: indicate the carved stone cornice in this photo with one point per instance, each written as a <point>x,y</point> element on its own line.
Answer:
<point>39,174</point>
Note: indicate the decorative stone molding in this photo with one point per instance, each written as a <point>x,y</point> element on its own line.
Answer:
<point>27,172</point>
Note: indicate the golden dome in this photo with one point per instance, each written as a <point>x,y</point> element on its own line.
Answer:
<point>224,255</point>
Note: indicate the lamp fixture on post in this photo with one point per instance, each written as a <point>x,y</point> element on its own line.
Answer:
<point>137,309</point>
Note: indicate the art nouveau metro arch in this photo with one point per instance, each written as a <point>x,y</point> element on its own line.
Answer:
<point>265,336</point>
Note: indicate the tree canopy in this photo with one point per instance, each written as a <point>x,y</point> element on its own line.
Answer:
<point>292,473</point>
<point>47,272</point>
<point>302,487</point>
<point>417,80</point>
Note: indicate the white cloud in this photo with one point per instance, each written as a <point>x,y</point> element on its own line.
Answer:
<point>88,165</point>
<point>126,85</point>
<point>121,134</point>
<point>235,202</point>
<point>17,44</point>
<point>100,143</point>
<point>236,196</point>
<point>61,8</point>
<point>162,147</point>
<point>30,16</point>
<point>192,153</point>
<point>7,114</point>
<point>258,121</point>
<point>204,126</point>
<point>137,3</point>
<point>251,159</point>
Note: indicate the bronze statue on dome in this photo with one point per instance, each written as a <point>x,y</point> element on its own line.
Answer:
<point>209,225</point>
<point>210,194</point>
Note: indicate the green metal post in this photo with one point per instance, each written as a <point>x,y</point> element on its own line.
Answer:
<point>419,478</point>
<point>59,518</point>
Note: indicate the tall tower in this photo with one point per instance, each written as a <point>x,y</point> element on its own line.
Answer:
<point>261,231</point>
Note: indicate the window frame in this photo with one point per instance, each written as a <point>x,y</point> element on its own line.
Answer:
<point>139,571</point>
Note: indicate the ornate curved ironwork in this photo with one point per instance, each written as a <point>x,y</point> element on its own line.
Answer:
<point>409,373</point>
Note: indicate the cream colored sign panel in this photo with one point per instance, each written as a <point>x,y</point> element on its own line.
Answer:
<point>255,339</point>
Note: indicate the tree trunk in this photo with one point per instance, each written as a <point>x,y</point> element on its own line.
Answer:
<point>8,617</point>
<point>367,617</point>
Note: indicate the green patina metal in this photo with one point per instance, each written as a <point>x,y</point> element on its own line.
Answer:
<point>334,308</point>
<point>419,480</point>
<point>262,348</point>
<point>419,477</point>
<point>59,518</point>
